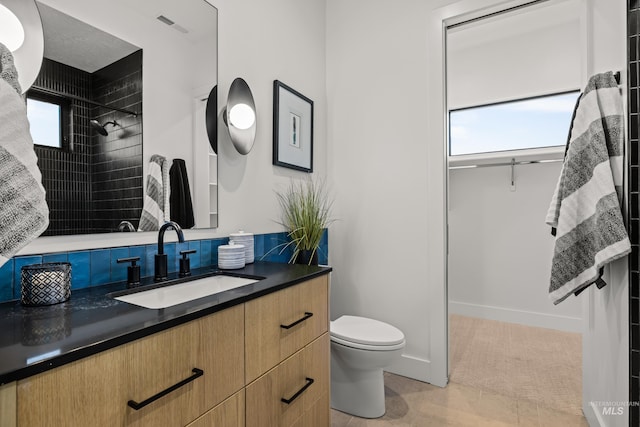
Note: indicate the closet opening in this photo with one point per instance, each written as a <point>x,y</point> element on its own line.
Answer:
<point>512,81</point>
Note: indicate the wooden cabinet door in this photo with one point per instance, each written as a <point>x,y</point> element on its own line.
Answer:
<point>229,413</point>
<point>96,390</point>
<point>272,333</point>
<point>290,380</point>
<point>8,405</point>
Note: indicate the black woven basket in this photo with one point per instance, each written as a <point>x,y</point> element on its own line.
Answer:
<point>45,284</point>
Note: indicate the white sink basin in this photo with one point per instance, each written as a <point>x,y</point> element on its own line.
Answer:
<point>168,296</point>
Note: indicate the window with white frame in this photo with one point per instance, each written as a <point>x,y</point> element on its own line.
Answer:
<point>523,124</point>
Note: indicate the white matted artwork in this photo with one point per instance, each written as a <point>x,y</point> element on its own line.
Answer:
<point>292,128</point>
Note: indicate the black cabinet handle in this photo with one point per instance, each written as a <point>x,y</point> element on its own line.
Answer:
<point>299,392</point>
<point>196,373</point>
<point>291,325</point>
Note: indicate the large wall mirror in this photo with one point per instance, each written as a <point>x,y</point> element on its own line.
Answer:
<point>115,89</point>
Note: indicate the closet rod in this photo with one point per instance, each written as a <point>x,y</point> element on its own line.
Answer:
<point>78,98</point>
<point>512,163</point>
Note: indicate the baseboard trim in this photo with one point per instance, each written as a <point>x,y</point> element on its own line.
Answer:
<point>415,368</point>
<point>522,317</point>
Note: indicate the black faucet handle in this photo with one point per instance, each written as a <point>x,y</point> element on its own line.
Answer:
<point>185,263</point>
<point>132,260</point>
<point>185,254</point>
<point>133,271</point>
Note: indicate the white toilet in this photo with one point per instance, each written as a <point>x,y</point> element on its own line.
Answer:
<point>360,349</point>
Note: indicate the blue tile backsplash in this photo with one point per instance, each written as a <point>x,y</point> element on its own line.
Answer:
<point>99,266</point>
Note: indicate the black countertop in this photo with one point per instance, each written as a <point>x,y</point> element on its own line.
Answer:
<point>36,339</point>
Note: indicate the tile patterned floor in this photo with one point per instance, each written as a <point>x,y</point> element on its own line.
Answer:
<point>417,404</point>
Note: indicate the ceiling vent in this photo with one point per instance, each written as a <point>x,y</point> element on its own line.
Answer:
<point>172,24</point>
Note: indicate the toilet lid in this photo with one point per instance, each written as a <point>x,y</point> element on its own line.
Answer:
<point>361,330</point>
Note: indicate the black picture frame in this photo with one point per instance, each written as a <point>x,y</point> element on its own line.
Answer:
<point>292,128</point>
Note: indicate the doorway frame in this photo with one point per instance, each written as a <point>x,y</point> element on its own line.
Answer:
<point>437,161</point>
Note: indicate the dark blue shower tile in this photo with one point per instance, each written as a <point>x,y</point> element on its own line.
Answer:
<point>205,253</point>
<point>80,269</point>
<point>19,262</point>
<point>634,4</point>
<point>100,266</point>
<point>119,270</point>
<point>632,28</point>
<point>6,281</point>
<point>633,258</point>
<point>634,310</point>
<point>635,363</point>
<point>59,257</point>
<point>194,259</point>
<point>633,179</point>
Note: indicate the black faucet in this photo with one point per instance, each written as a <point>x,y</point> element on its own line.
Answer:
<point>161,257</point>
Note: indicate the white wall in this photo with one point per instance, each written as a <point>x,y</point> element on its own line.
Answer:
<point>605,341</point>
<point>378,69</point>
<point>377,62</point>
<point>531,52</point>
<point>259,41</point>
<point>500,249</point>
<point>262,41</point>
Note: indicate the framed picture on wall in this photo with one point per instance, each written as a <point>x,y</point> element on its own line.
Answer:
<point>292,128</point>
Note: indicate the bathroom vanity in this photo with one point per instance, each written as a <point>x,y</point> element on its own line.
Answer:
<point>257,355</point>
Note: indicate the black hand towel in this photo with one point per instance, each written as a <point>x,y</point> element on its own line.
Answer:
<point>180,199</point>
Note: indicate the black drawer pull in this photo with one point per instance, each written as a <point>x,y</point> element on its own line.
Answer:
<point>305,317</point>
<point>299,392</point>
<point>196,373</point>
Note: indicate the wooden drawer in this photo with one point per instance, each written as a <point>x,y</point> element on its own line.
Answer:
<point>229,413</point>
<point>264,396</point>
<point>316,416</point>
<point>267,342</point>
<point>95,390</point>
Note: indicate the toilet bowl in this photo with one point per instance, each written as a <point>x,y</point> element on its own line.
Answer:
<point>360,349</point>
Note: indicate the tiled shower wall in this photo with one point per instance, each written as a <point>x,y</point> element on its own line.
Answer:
<point>66,172</point>
<point>633,32</point>
<point>95,182</point>
<point>116,166</point>
<point>99,266</point>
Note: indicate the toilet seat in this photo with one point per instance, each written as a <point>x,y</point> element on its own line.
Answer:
<point>366,334</point>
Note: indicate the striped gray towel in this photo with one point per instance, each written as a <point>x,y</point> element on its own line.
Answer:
<point>156,206</point>
<point>8,71</point>
<point>24,214</point>
<point>585,208</point>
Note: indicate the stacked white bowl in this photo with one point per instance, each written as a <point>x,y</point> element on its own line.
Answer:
<point>245,239</point>
<point>230,256</point>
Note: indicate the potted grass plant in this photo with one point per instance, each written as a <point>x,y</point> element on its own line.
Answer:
<point>306,212</point>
